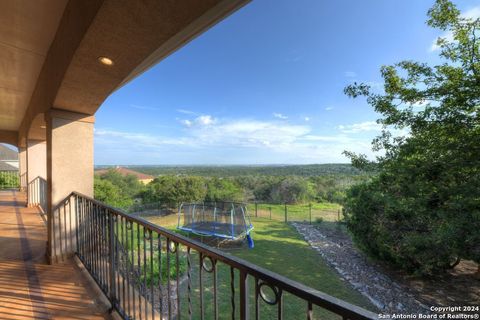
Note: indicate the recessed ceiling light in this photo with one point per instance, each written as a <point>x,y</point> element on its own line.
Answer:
<point>106,61</point>
<point>43,127</point>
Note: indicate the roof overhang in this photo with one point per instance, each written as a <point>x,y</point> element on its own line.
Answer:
<point>134,34</point>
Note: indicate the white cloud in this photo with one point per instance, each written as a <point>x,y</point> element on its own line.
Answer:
<point>114,137</point>
<point>339,138</point>
<point>279,116</point>
<point>448,36</point>
<point>350,74</point>
<point>375,85</point>
<point>329,108</point>
<point>184,111</point>
<point>371,127</point>
<point>232,141</point>
<point>205,120</point>
<point>307,119</point>
<point>472,14</point>
<point>186,122</point>
<point>136,106</point>
<point>360,127</point>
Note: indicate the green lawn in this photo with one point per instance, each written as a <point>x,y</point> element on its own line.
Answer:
<point>279,248</point>
<point>297,212</point>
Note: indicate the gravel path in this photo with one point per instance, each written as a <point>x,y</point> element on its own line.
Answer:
<point>339,252</point>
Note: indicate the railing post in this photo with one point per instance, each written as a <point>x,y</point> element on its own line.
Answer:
<point>286,213</point>
<point>270,209</point>
<point>111,255</point>
<point>244,311</point>
<point>256,209</point>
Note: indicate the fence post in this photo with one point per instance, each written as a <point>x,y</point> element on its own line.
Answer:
<point>256,209</point>
<point>270,209</point>
<point>286,213</point>
<point>310,211</point>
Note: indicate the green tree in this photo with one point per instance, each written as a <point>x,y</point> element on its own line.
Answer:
<point>175,189</point>
<point>293,190</point>
<point>222,189</point>
<point>129,184</point>
<point>111,194</point>
<point>422,210</point>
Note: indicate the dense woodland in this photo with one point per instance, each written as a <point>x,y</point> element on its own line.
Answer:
<point>237,184</point>
<point>310,170</point>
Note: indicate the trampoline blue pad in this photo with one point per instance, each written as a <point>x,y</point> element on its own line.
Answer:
<point>216,229</point>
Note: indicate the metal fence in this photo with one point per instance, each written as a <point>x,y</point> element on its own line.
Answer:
<point>311,212</point>
<point>154,208</point>
<point>9,180</point>
<point>148,272</point>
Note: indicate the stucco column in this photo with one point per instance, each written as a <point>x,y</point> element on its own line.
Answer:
<point>22,167</point>
<point>36,169</point>
<point>69,168</point>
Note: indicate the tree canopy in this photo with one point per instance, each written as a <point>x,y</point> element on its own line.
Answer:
<point>117,190</point>
<point>422,209</point>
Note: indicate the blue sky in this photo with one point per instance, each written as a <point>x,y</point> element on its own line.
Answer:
<point>265,86</point>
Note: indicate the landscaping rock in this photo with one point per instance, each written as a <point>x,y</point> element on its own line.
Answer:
<point>363,275</point>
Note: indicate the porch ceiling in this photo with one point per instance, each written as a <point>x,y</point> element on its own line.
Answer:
<point>26,33</point>
<point>50,49</point>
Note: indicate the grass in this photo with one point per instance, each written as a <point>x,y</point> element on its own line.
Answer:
<point>279,248</point>
<point>163,273</point>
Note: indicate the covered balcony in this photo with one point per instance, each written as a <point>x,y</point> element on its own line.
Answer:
<point>64,255</point>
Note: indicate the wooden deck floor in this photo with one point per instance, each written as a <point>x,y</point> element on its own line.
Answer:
<point>30,288</point>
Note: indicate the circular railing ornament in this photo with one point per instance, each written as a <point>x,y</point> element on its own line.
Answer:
<point>172,246</point>
<point>208,264</point>
<point>265,297</point>
<point>147,235</point>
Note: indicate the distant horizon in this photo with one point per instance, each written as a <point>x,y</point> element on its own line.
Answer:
<point>219,165</point>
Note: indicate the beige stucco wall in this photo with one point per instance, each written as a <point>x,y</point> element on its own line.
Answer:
<point>36,167</point>
<point>70,155</point>
<point>36,159</point>
<point>69,168</point>
<point>22,164</point>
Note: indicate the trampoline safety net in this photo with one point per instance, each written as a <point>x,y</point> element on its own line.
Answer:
<point>228,220</point>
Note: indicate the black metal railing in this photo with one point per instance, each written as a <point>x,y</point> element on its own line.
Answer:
<point>37,193</point>
<point>9,180</point>
<point>149,272</point>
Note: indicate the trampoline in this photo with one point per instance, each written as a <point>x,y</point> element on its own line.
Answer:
<point>227,220</point>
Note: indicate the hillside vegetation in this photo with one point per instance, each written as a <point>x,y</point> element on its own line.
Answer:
<point>309,170</point>
<point>172,189</point>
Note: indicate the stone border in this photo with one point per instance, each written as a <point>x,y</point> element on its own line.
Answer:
<point>364,276</point>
